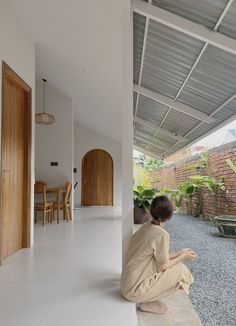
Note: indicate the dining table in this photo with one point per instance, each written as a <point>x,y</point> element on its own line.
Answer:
<point>58,192</point>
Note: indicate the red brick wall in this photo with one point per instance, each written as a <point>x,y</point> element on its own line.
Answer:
<point>172,176</point>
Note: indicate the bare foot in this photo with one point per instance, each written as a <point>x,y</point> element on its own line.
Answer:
<point>155,307</point>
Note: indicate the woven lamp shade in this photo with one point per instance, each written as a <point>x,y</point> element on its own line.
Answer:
<point>44,118</point>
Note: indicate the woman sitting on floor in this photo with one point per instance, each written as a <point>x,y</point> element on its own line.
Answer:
<point>150,272</point>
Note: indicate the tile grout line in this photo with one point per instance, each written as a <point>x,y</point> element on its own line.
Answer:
<point>50,303</point>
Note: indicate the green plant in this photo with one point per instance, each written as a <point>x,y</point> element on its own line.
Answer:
<point>175,194</point>
<point>152,165</point>
<point>143,197</point>
<point>188,190</point>
<point>212,184</point>
<point>231,165</point>
<point>202,163</point>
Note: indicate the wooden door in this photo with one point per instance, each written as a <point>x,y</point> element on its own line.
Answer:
<point>97,179</point>
<point>16,163</point>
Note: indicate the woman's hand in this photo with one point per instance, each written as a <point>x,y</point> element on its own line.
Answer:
<point>186,249</point>
<point>190,255</point>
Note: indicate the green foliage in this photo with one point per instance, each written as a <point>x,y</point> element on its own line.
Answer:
<point>231,165</point>
<point>144,177</point>
<point>176,195</point>
<point>208,182</point>
<point>143,197</point>
<point>202,163</point>
<point>198,182</point>
<point>153,165</point>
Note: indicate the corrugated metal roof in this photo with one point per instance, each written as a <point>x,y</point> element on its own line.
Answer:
<point>212,82</point>
<point>151,110</point>
<point>168,58</point>
<point>139,27</point>
<point>205,12</point>
<point>179,122</point>
<point>228,25</point>
<point>226,112</point>
<point>148,131</point>
<point>169,141</point>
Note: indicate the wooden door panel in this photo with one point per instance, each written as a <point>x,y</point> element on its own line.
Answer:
<point>97,179</point>
<point>15,151</point>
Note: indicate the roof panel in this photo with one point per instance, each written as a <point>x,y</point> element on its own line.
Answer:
<point>144,129</point>
<point>228,25</point>
<point>168,58</point>
<point>205,12</point>
<point>169,141</point>
<point>151,110</point>
<point>212,82</point>
<point>139,27</point>
<point>179,122</point>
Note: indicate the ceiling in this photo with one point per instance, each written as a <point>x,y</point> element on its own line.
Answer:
<point>79,51</point>
<point>184,71</point>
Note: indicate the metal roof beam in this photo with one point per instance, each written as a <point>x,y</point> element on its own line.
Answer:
<point>159,129</point>
<point>144,151</point>
<point>160,143</point>
<point>154,143</point>
<point>185,26</point>
<point>175,105</point>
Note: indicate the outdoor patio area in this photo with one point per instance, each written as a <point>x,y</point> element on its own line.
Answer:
<point>213,292</point>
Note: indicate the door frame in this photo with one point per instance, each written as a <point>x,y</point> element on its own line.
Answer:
<point>82,174</point>
<point>10,73</point>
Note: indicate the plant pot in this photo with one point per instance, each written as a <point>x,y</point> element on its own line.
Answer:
<point>141,216</point>
<point>226,225</point>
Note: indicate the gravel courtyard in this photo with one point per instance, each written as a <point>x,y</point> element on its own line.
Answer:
<point>214,292</point>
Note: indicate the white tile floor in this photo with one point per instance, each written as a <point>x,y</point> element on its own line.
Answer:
<point>70,277</point>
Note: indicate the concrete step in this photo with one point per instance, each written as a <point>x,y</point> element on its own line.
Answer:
<point>180,313</point>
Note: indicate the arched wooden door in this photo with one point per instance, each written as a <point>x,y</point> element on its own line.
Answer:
<point>97,179</point>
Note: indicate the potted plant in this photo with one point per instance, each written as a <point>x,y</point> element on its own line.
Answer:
<point>142,202</point>
<point>227,223</point>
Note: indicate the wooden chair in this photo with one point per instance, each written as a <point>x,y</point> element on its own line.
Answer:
<point>65,203</point>
<point>43,206</point>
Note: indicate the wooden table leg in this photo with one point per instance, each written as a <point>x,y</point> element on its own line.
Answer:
<point>58,206</point>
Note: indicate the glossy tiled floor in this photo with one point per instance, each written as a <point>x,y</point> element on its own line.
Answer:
<point>70,277</point>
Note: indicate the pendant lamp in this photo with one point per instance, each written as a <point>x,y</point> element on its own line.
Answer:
<point>44,118</point>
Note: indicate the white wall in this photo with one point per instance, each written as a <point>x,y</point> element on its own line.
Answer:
<point>127,126</point>
<point>17,49</point>
<point>54,143</point>
<point>86,140</point>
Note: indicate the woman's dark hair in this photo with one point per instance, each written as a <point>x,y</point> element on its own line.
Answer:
<point>161,209</point>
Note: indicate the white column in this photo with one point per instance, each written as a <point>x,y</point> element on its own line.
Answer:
<point>127,126</point>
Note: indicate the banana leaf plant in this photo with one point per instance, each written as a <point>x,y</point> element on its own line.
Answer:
<point>231,165</point>
<point>143,197</point>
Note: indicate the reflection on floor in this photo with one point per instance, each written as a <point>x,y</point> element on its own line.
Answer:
<point>70,277</point>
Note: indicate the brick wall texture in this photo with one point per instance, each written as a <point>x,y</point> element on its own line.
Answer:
<point>173,175</point>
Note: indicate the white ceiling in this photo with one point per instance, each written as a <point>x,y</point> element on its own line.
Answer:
<point>79,51</point>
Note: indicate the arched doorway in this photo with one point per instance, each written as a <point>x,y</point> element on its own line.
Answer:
<point>97,179</point>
